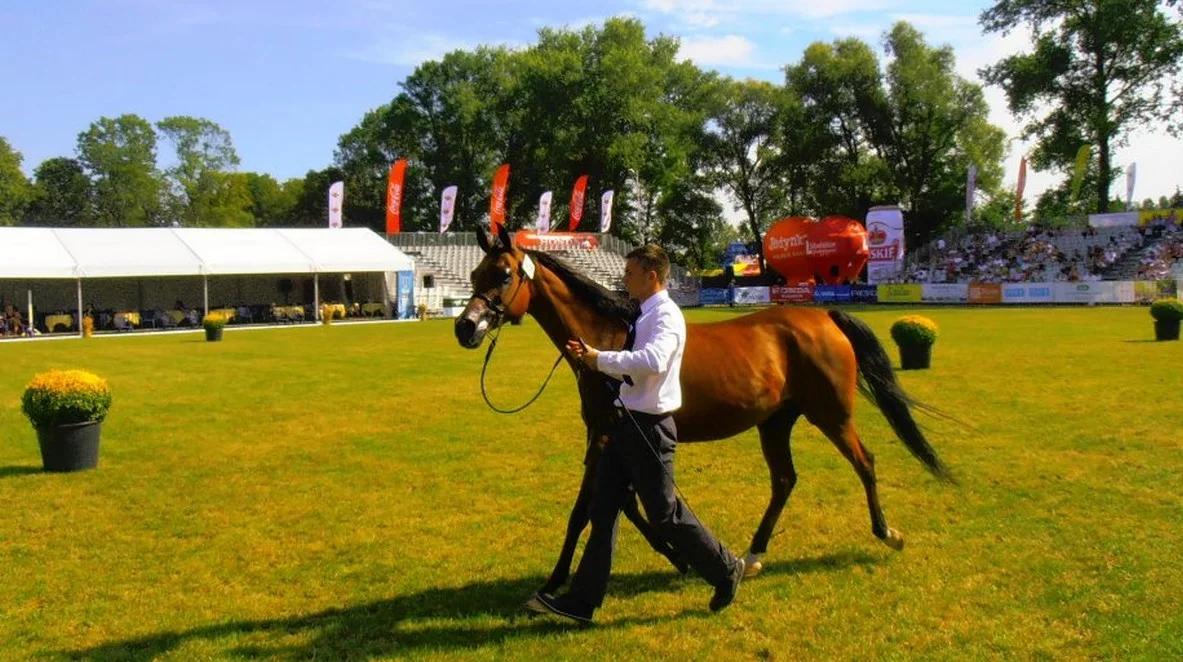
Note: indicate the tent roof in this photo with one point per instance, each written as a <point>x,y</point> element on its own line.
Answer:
<point>124,252</point>
<point>33,253</point>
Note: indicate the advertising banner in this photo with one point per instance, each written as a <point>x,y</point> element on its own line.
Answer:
<point>1114,220</point>
<point>945,292</point>
<point>336,202</point>
<point>752,295</point>
<point>447,207</point>
<point>1095,292</point>
<point>1027,293</point>
<point>556,241</point>
<point>885,240</point>
<point>544,212</point>
<point>899,293</point>
<point>497,199</point>
<point>686,296</point>
<point>985,293</point>
<point>713,296</point>
<point>799,293</point>
<point>394,196</point>
<point>576,204</point>
<point>832,294</point>
<point>862,293</point>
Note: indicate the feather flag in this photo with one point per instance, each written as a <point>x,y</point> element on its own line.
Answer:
<point>576,204</point>
<point>336,202</point>
<point>606,211</point>
<point>394,197</point>
<point>447,207</point>
<point>544,212</point>
<point>497,200</point>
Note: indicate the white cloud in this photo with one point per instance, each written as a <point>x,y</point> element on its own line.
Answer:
<point>730,50</point>
<point>710,13</point>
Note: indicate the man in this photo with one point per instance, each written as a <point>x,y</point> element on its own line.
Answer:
<point>640,450</point>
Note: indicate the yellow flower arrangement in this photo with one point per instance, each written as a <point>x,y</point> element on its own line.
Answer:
<point>87,326</point>
<point>62,397</point>
<point>914,330</point>
<point>214,321</point>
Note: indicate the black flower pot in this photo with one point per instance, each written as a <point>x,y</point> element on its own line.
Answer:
<point>71,447</point>
<point>915,357</point>
<point>1166,329</point>
<point>214,335</point>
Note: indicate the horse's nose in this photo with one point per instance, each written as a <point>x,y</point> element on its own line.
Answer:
<point>465,330</point>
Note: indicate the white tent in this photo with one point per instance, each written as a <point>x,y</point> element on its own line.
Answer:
<point>79,254</point>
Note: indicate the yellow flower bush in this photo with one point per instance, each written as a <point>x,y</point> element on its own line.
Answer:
<point>214,321</point>
<point>911,330</point>
<point>62,397</point>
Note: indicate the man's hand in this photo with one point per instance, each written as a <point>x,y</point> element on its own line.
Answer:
<point>583,352</point>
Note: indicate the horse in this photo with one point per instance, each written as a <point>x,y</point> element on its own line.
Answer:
<point>764,369</point>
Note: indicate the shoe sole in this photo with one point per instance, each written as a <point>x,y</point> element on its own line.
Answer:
<point>539,607</point>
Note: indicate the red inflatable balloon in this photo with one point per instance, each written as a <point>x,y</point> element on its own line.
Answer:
<point>833,250</point>
<point>784,248</point>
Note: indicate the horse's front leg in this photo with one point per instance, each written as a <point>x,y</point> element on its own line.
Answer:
<point>578,519</point>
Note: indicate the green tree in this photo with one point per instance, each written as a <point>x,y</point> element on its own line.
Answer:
<point>311,195</point>
<point>692,225</point>
<point>272,203</point>
<point>63,195</point>
<point>743,155</point>
<point>1097,69</point>
<point>838,87</point>
<point>930,127</point>
<point>203,190</point>
<point>120,156</point>
<point>15,190</point>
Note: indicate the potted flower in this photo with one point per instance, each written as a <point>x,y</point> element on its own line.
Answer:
<point>1167,314</point>
<point>326,314</point>
<point>214,324</point>
<point>67,408</point>
<point>915,336</point>
<point>87,326</point>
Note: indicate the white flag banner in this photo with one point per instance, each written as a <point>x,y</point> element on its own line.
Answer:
<point>971,183</point>
<point>1129,185</point>
<point>336,202</point>
<point>606,211</point>
<point>544,213</point>
<point>447,207</point>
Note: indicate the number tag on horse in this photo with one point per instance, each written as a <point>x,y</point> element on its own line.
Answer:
<point>528,267</point>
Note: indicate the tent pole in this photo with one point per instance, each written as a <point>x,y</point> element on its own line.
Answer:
<point>205,294</point>
<point>29,320</point>
<point>316,296</point>
<point>80,308</point>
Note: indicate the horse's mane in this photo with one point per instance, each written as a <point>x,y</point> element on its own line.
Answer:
<point>610,304</point>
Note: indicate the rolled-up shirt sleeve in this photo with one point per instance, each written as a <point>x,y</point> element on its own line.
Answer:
<point>653,358</point>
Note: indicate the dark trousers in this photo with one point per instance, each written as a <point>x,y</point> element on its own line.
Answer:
<point>629,463</point>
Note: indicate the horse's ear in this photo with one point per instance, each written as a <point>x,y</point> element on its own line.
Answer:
<point>482,240</point>
<point>503,235</point>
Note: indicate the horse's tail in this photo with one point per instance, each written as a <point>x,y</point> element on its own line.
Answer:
<point>877,381</point>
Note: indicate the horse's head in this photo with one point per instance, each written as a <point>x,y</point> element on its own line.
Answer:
<point>501,289</point>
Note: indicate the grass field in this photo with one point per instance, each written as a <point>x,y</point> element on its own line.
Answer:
<point>343,492</point>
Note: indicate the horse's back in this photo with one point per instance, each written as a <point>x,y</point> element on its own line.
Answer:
<point>738,372</point>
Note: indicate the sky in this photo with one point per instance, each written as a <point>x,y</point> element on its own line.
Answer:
<point>287,77</point>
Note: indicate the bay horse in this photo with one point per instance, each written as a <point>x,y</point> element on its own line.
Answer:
<point>764,370</point>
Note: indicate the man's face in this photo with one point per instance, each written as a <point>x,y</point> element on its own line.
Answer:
<point>637,281</point>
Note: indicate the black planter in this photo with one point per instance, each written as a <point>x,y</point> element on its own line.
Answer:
<point>214,335</point>
<point>70,447</point>
<point>1166,329</point>
<point>915,357</point>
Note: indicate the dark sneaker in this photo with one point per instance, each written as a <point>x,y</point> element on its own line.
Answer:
<point>561,605</point>
<point>725,592</point>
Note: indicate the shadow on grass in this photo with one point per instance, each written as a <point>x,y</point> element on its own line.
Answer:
<point>431,620</point>
<point>1142,340</point>
<point>9,472</point>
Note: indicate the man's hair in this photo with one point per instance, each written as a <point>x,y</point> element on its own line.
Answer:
<point>652,258</point>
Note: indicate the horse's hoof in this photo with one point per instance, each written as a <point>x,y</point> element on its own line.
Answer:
<point>894,539</point>
<point>752,565</point>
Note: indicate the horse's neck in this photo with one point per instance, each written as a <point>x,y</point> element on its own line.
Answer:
<point>563,316</point>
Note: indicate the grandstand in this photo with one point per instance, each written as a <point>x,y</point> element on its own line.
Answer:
<point>444,262</point>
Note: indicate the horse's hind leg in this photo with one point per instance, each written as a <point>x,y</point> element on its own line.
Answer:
<point>774,441</point>
<point>847,440</point>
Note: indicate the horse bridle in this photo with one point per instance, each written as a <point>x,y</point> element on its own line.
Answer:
<point>499,310</point>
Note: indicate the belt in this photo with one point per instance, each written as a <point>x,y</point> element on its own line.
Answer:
<point>622,413</point>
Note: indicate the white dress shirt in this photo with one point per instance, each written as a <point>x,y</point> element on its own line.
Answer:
<point>655,363</point>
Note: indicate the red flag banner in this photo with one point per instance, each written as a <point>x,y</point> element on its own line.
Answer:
<point>497,200</point>
<point>577,202</point>
<point>1019,189</point>
<point>394,197</point>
